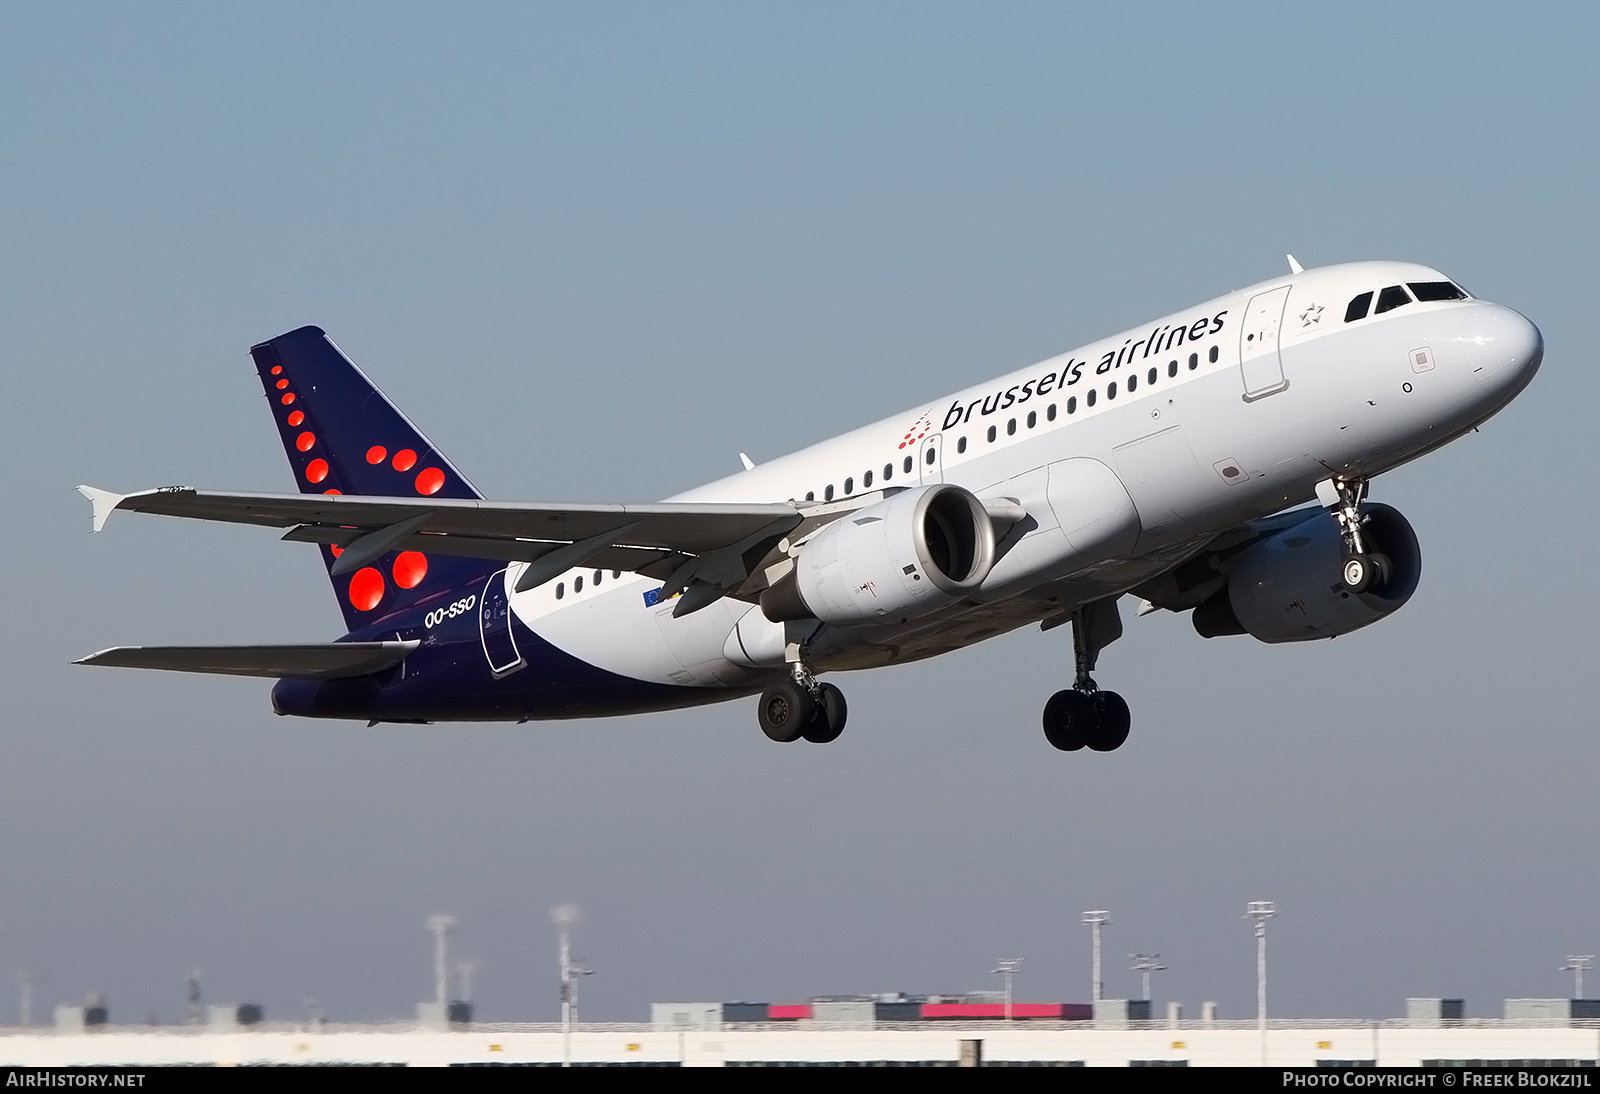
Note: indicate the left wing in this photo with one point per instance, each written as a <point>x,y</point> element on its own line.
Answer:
<point>704,550</point>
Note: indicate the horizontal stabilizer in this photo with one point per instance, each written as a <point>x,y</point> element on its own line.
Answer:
<point>314,661</point>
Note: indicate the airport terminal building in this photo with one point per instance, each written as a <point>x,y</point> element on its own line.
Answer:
<point>842,1032</point>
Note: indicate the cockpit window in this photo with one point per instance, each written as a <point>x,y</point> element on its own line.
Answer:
<point>1436,290</point>
<point>1358,308</point>
<point>1392,297</point>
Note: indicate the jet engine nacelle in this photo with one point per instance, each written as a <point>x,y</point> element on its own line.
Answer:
<point>1287,587</point>
<point>906,556</point>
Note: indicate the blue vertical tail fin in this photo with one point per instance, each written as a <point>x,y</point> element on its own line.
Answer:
<point>342,436</point>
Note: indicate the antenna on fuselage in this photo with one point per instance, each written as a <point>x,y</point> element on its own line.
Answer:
<point>749,464</point>
<point>1294,266</point>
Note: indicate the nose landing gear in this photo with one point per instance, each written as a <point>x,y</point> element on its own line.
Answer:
<point>1084,716</point>
<point>1360,569</point>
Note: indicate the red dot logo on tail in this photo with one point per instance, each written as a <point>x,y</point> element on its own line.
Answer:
<point>376,454</point>
<point>305,441</point>
<point>316,470</point>
<point>430,481</point>
<point>296,417</point>
<point>288,397</point>
<point>405,460</point>
<point>410,567</point>
<point>366,589</point>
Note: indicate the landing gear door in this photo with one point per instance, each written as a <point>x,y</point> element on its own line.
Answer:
<point>931,459</point>
<point>1259,363</point>
<point>494,626</point>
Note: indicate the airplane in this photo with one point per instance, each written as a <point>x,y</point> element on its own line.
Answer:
<point>1214,461</point>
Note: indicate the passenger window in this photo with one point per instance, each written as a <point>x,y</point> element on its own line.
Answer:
<point>1133,382</point>
<point>1172,368</point>
<point>615,574</point>
<point>908,465</point>
<point>991,434</point>
<point>961,444</point>
<point>1393,296</point>
<point>1011,428</point>
<point>1358,308</point>
<point>598,574</point>
<point>1072,405</point>
<point>577,584</point>
<point>811,495</point>
<point>1088,400</point>
<point>888,472</point>
<point>561,589</point>
<point>1194,361</point>
<point>827,495</point>
<point>932,455</point>
<point>1111,390</point>
<point>1212,356</point>
<point>1427,291</point>
<point>849,486</point>
<point>1050,412</point>
<point>1150,379</point>
<point>1033,419</point>
<point>866,481</point>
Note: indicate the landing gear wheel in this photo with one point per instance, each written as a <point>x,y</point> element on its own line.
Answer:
<point>828,721</point>
<point>1382,569</point>
<point>1068,719</point>
<point>1112,721</point>
<point>785,711</point>
<point>1356,571</point>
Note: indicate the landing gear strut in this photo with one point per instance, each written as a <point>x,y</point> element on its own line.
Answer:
<point>1360,569</point>
<point>801,706</point>
<point>1084,715</point>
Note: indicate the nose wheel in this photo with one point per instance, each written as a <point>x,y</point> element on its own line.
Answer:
<point>1083,716</point>
<point>1361,568</point>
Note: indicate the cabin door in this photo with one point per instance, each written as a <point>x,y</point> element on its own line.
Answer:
<point>494,626</point>
<point>1259,363</point>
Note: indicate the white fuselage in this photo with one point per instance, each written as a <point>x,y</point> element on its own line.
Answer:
<point>1129,454</point>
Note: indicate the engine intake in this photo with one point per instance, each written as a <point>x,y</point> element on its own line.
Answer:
<point>906,556</point>
<point>1286,588</point>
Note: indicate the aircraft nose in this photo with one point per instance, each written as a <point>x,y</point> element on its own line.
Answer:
<point>1502,345</point>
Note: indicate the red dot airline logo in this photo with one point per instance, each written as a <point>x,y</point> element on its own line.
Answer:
<point>368,585</point>
<point>920,429</point>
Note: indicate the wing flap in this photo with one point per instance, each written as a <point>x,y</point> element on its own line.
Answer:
<point>315,661</point>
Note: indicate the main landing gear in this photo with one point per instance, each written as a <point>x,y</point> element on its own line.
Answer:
<point>1360,569</point>
<point>802,708</point>
<point>1084,715</point>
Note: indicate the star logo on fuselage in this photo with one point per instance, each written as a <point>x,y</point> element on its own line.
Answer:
<point>1311,316</point>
